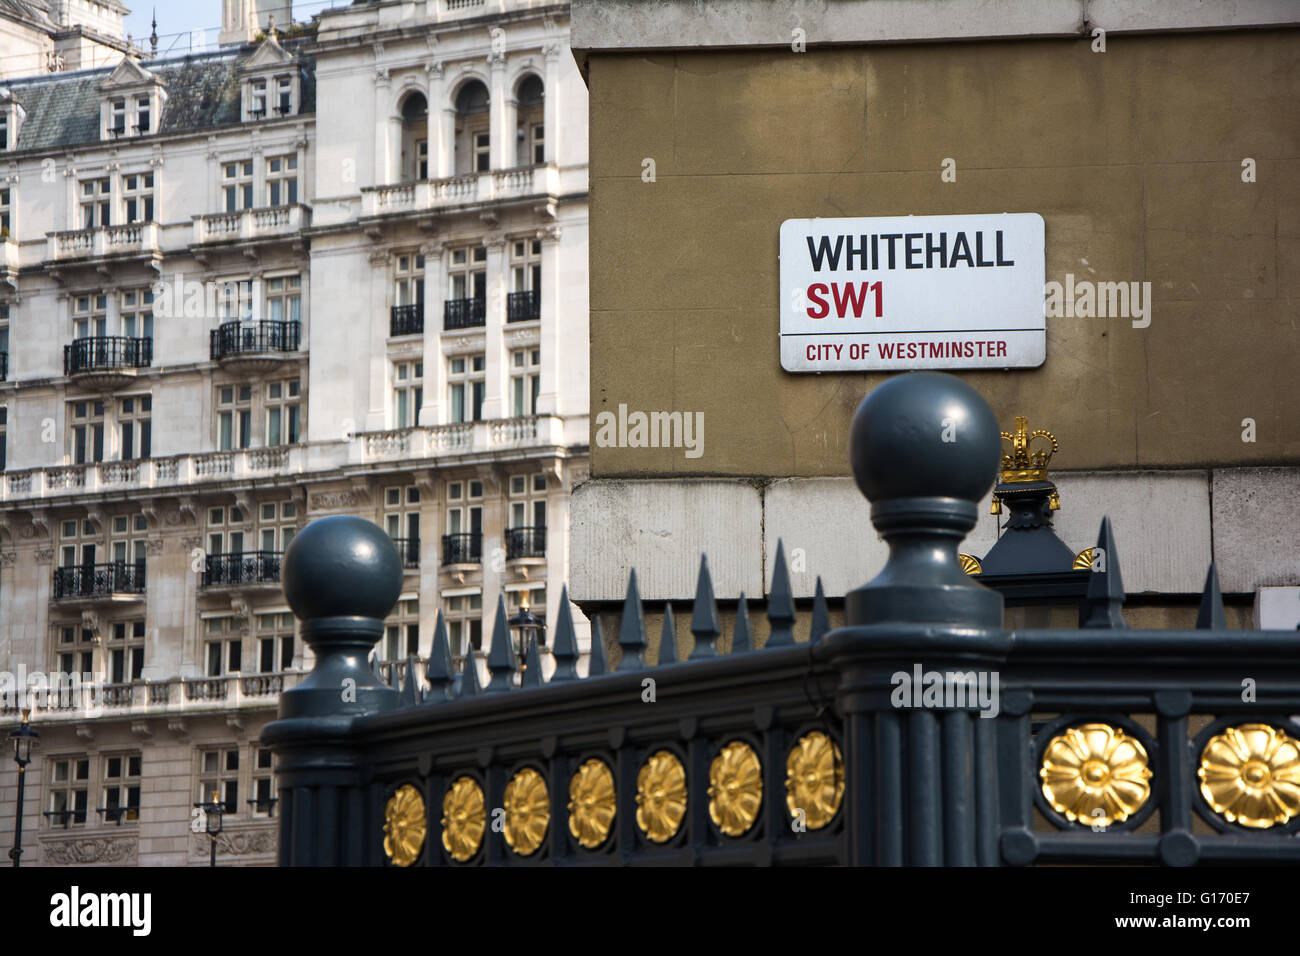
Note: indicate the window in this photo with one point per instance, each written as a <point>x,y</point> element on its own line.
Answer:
<point>467,385</point>
<point>528,501</point>
<point>532,147</point>
<point>282,408</point>
<point>283,95</point>
<point>402,634</point>
<point>126,652</point>
<point>4,129</point>
<point>136,313</point>
<point>464,615</point>
<point>276,526</point>
<point>473,143</point>
<point>408,393</point>
<point>464,527</point>
<point>263,782</point>
<point>526,265</point>
<point>121,788</point>
<point>235,301</point>
<point>282,180</point>
<point>134,427</point>
<point>142,126</point>
<point>525,381</point>
<point>284,299</point>
<point>86,438</point>
<point>402,521</point>
<point>257,99</point>
<point>90,316</point>
<point>117,118</point>
<point>237,184</point>
<point>409,274</point>
<point>75,647</point>
<point>274,642</point>
<point>137,197</point>
<point>4,433</point>
<point>482,152</point>
<point>415,137</point>
<point>223,648</point>
<point>234,416</point>
<point>422,159</point>
<point>95,203</point>
<point>468,273</point>
<point>219,774</point>
<point>225,537</point>
<point>69,790</point>
<point>4,210</point>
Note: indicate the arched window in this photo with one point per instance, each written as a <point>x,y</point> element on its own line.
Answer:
<point>531,135</point>
<point>473,143</point>
<point>415,137</point>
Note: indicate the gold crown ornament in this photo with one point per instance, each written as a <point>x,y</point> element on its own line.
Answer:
<point>1024,464</point>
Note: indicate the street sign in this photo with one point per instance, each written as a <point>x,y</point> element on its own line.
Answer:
<point>912,292</point>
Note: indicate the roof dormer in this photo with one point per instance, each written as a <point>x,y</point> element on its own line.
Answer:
<point>12,115</point>
<point>271,82</point>
<point>130,102</point>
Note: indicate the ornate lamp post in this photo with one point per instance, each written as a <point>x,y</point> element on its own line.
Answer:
<point>526,623</point>
<point>212,822</point>
<point>23,739</point>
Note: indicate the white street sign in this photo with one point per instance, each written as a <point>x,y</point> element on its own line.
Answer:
<point>911,292</point>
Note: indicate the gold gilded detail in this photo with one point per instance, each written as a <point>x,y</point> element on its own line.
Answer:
<point>1023,464</point>
<point>1095,775</point>
<point>528,811</point>
<point>661,796</point>
<point>969,563</point>
<point>735,788</point>
<point>463,818</point>
<point>1250,774</point>
<point>814,781</point>
<point>591,803</point>
<point>404,826</point>
<point>1083,560</point>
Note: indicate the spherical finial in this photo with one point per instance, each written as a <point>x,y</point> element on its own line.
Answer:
<point>923,435</point>
<point>342,566</point>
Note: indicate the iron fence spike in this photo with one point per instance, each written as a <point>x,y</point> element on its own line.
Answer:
<point>668,638</point>
<point>565,650</point>
<point>438,671</point>
<point>1103,606</point>
<point>704,615</point>
<point>821,619</point>
<point>469,684</point>
<point>409,695</point>
<point>780,603</point>
<point>631,629</point>
<point>740,637</point>
<point>1211,615</point>
<point>532,676</point>
<point>596,664</point>
<point>501,655</point>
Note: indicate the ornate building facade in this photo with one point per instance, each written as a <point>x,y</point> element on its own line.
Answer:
<point>337,270</point>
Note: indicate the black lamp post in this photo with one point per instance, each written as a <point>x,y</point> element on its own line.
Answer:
<point>526,623</point>
<point>212,822</point>
<point>24,739</point>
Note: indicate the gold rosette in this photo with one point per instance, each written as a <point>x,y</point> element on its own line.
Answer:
<point>814,781</point>
<point>735,788</point>
<point>1095,774</point>
<point>1250,775</point>
<point>464,818</point>
<point>661,796</point>
<point>528,811</point>
<point>404,826</point>
<point>591,803</point>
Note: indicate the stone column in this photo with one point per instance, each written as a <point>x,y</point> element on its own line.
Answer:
<point>551,100</point>
<point>496,400</point>
<point>435,131</point>
<point>501,143</point>
<point>376,415</point>
<point>548,394</point>
<point>383,173</point>
<point>435,285</point>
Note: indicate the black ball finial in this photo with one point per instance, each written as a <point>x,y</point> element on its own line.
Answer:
<point>924,435</point>
<point>342,566</point>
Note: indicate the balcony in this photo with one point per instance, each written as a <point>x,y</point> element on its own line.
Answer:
<point>521,183</point>
<point>407,320</point>
<point>106,361</point>
<point>114,580</point>
<point>134,240</point>
<point>242,568</point>
<point>251,225</point>
<point>75,701</point>
<point>409,549</point>
<point>464,313</point>
<point>524,306</point>
<point>254,346</point>
<point>462,548</point>
<point>525,542</point>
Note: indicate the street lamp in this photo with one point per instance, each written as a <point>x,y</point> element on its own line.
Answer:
<point>525,622</point>
<point>23,739</point>
<point>212,822</point>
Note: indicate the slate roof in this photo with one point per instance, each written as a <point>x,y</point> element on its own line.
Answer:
<point>202,93</point>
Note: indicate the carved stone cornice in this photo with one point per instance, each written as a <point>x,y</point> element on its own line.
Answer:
<point>96,850</point>
<point>44,555</point>
<point>244,842</point>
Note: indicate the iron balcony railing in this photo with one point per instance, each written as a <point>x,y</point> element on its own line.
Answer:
<point>462,548</point>
<point>409,549</point>
<point>242,567</point>
<point>104,353</point>
<point>407,319</point>
<point>246,338</point>
<point>464,313</point>
<point>526,542</point>
<point>523,306</point>
<point>99,580</point>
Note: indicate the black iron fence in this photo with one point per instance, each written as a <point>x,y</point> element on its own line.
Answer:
<point>462,548</point>
<point>99,580</point>
<point>922,732</point>
<point>464,313</point>
<point>242,567</point>
<point>523,306</point>
<point>105,353</point>
<point>526,542</point>
<point>251,338</point>
<point>407,319</point>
